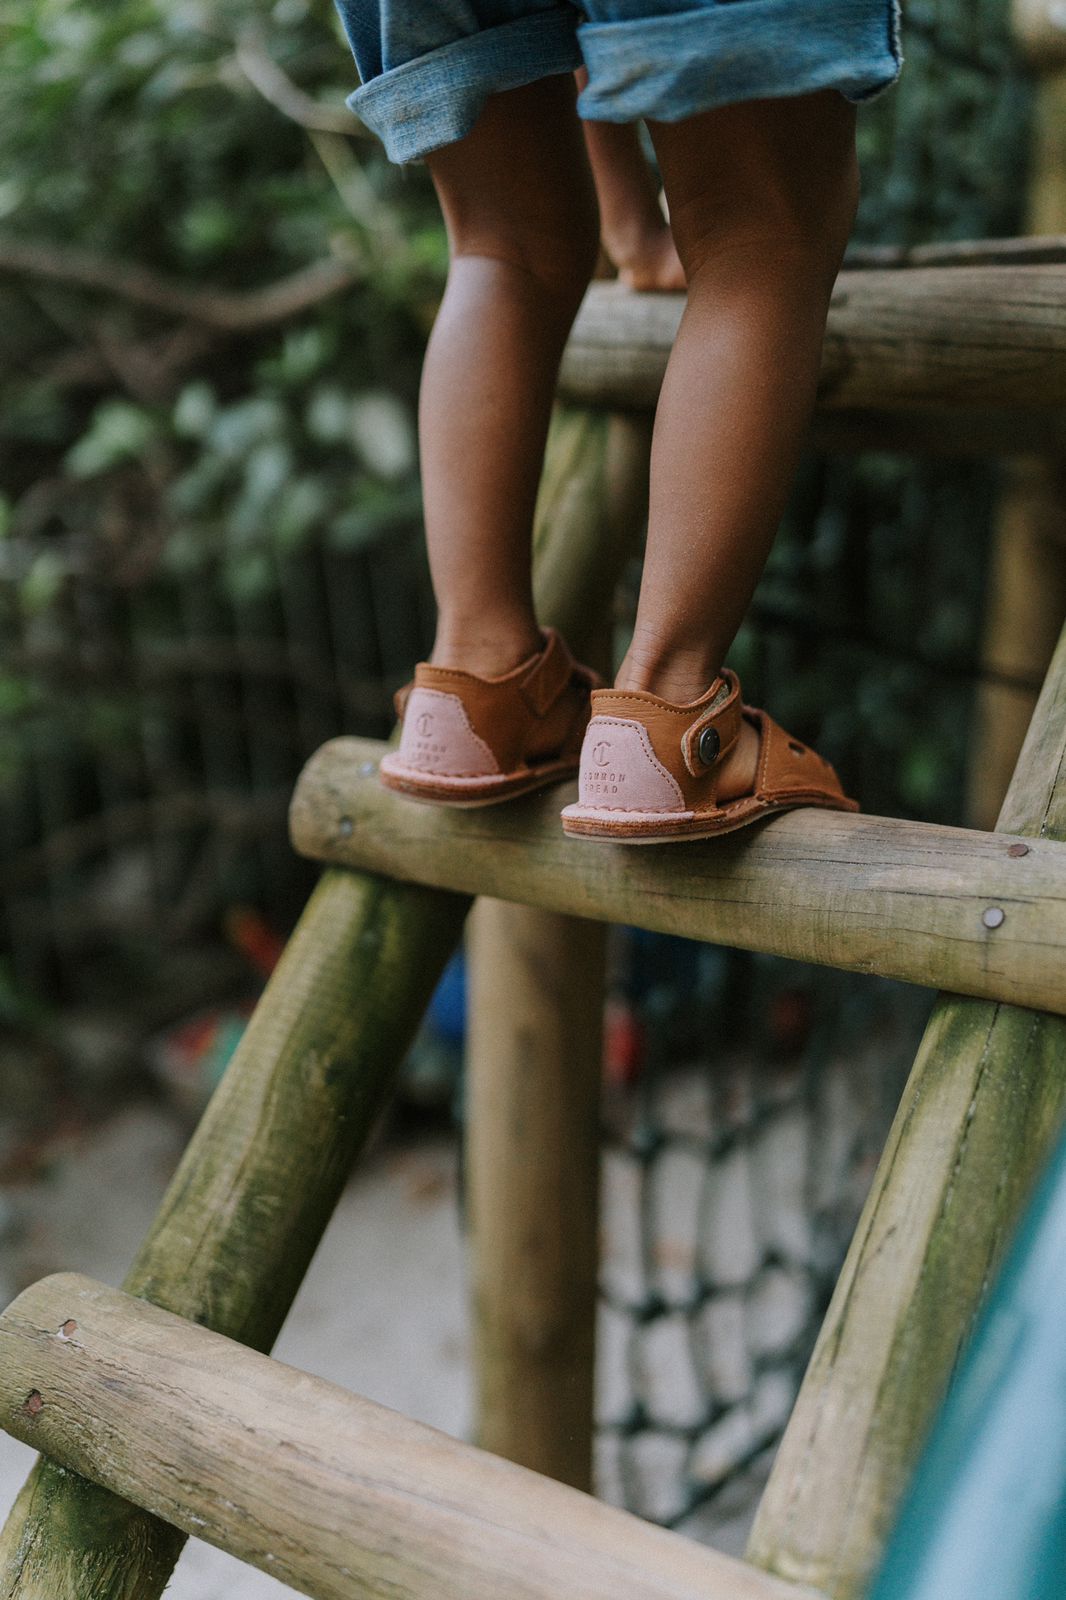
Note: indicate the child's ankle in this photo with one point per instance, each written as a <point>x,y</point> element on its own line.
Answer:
<point>678,676</point>
<point>486,653</point>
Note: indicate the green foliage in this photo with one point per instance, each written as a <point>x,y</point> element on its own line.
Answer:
<point>134,131</point>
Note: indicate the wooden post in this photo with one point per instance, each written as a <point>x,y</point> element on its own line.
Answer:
<point>326,1491</point>
<point>535,1030</point>
<point>254,1191</point>
<point>534,1050</point>
<point>1027,571</point>
<point>977,1122</point>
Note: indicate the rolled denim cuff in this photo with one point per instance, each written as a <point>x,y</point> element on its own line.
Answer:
<point>713,55</point>
<point>436,98</point>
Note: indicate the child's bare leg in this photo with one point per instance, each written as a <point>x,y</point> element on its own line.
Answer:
<point>635,234</point>
<point>523,228</point>
<point>762,198</point>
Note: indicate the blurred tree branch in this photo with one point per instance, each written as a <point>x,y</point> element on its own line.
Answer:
<point>232,311</point>
<point>168,356</point>
<point>264,74</point>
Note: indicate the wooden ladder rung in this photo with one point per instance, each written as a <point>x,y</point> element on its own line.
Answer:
<point>324,1490</point>
<point>933,336</point>
<point>980,914</point>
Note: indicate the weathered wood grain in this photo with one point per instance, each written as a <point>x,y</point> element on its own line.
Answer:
<point>964,336</point>
<point>534,1052</point>
<point>254,1191</point>
<point>979,1117</point>
<point>1045,246</point>
<point>334,1495</point>
<point>870,894</point>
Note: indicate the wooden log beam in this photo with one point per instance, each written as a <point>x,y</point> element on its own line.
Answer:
<point>254,1191</point>
<point>535,1029</point>
<point>1046,246</point>
<point>958,336</point>
<point>977,1122</point>
<point>932,905</point>
<point>327,1492</point>
<point>534,1057</point>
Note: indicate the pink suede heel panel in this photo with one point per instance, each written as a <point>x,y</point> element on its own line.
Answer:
<point>621,772</point>
<point>437,737</point>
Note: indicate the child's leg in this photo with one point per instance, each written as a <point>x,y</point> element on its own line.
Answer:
<point>762,199</point>
<point>633,230</point>
<point>523,228</point>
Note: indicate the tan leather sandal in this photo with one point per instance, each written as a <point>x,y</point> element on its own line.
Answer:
<point>470,741</point>
<point>650,770</point>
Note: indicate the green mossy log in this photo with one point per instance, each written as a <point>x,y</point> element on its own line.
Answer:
<point>253,1193</point>
<point>978,1120</point>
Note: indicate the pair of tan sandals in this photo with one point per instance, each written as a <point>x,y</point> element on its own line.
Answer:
<point>648,770</point>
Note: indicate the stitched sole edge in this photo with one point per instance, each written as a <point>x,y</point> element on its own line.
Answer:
<point>509,786</point>
<point>695,827</point>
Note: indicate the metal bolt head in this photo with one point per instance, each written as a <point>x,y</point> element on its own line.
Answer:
<point>1018,849</point>
<point>993,916</point>
<point>708,745</point>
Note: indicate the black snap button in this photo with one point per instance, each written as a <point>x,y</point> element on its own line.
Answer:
<point>708,745</point>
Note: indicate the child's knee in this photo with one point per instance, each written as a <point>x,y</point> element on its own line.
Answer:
<point>519,187</point>
<point>771,172</point>
<point>814,221</point>
<point>561,259</point>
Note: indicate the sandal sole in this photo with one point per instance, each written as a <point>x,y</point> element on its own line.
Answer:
<point>680,832</point>
<point>469,798</point>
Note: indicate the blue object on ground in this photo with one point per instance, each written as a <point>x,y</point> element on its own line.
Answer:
<point>447,1009</point>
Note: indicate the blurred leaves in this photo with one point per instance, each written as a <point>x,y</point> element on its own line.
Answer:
<point>118,431</point>
<point>149,135</point>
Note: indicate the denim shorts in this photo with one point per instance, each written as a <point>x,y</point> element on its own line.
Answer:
<point>427,65</point>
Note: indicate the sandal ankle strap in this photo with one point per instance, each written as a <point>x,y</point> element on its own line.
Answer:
<point>717,728</point>
<point>548,674</point>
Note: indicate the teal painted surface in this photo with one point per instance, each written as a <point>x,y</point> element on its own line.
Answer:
<point>986,1515</point>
